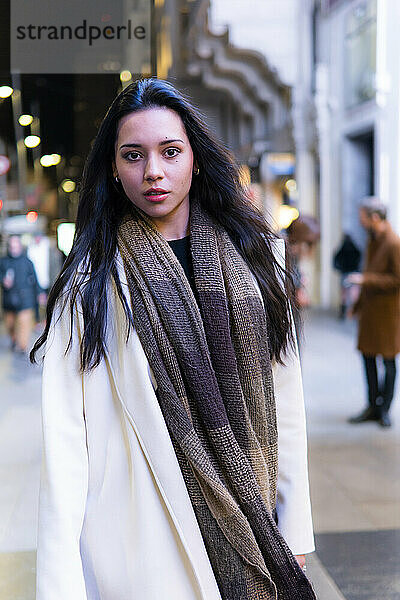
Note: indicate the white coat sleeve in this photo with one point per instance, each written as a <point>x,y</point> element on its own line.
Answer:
<point>293,496</point>
<point>64,473</point>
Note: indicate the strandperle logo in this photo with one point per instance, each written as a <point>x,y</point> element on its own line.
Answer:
<point>90,33</point>
<point>81,36</point>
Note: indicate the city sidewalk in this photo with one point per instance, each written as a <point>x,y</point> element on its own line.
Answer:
<point>20,449</point>
<point>354,473</point>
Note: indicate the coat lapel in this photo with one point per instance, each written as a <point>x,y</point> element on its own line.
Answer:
<point>132,380</point>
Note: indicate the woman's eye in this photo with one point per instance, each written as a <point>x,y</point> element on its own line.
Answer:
<point>132,155</point>
<point>171,152</point>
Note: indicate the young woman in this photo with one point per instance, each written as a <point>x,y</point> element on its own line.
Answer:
<point>173,416</point>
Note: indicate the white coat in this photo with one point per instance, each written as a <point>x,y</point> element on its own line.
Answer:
<point>115,518</point>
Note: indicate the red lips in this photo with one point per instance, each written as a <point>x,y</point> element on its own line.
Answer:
<point>156,195</point>
<point>155,191</point>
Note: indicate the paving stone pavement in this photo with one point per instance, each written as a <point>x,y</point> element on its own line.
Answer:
<point>354,470</point>
<point>20,451</point>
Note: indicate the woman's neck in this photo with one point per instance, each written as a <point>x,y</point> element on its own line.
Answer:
<point>175,225</point>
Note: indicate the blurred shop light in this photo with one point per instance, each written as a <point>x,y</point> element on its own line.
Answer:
<point>1,203</point>
<point>49,160</point>
<point>291,185</point>
<point>25,120</point>
<point>65,237</point>
<point>286,216</point>
<point>164,53</point>
<point>68,185</point>
<point>19,224</point>
<point>32,216</point>
<point>244,175</point>
<point>31,141</point>
<point>46,160</point>
<point>280,163</point>
<point>125,76</point>
<point>5,91</point>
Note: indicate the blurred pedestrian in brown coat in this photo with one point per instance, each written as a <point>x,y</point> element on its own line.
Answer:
<point>378,309</point>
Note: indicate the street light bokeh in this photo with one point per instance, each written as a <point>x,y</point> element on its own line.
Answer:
<point>25,120</point>
<point>125,76</point>
<point>5,91</point>
<point>68,185</point>
<point>32,216</point>
<point>50,160</point>
<point>291,185</point>
<point>286,216</point>
<point>31,141</point>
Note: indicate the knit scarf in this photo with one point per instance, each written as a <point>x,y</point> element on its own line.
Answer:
<point>211,361</point>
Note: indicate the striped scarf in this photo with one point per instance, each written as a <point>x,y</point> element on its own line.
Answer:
<point>212,365</point>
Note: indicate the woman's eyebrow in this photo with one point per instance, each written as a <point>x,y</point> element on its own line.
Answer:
<point>160,144</point>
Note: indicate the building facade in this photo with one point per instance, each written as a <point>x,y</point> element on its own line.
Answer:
<point>356,90</point>
<point>241,95</point>
<point>339,58</point>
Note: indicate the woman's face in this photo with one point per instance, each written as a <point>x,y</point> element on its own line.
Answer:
<point>152,151</point>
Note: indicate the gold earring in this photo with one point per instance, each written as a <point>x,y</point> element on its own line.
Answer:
<point>116,179</point>
<point>196,170</point>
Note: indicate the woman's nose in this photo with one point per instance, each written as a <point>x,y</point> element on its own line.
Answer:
<point>153,168</point>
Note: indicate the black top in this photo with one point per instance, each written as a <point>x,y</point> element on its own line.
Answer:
<point>181,250</point>
<point>347,258</point>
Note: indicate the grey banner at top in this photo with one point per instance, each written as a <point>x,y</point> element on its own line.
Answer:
<point>75,36</point>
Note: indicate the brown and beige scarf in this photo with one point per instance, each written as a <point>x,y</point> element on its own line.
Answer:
<point>211,361</point>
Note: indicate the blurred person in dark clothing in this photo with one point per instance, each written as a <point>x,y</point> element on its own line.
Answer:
<point>21,292</point>
<point>378,309</point>
<point>346,260</point>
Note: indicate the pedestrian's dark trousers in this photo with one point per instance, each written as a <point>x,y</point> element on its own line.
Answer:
<point>380,396</point>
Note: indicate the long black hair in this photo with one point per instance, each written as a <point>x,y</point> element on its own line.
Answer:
<point>103,204</point>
